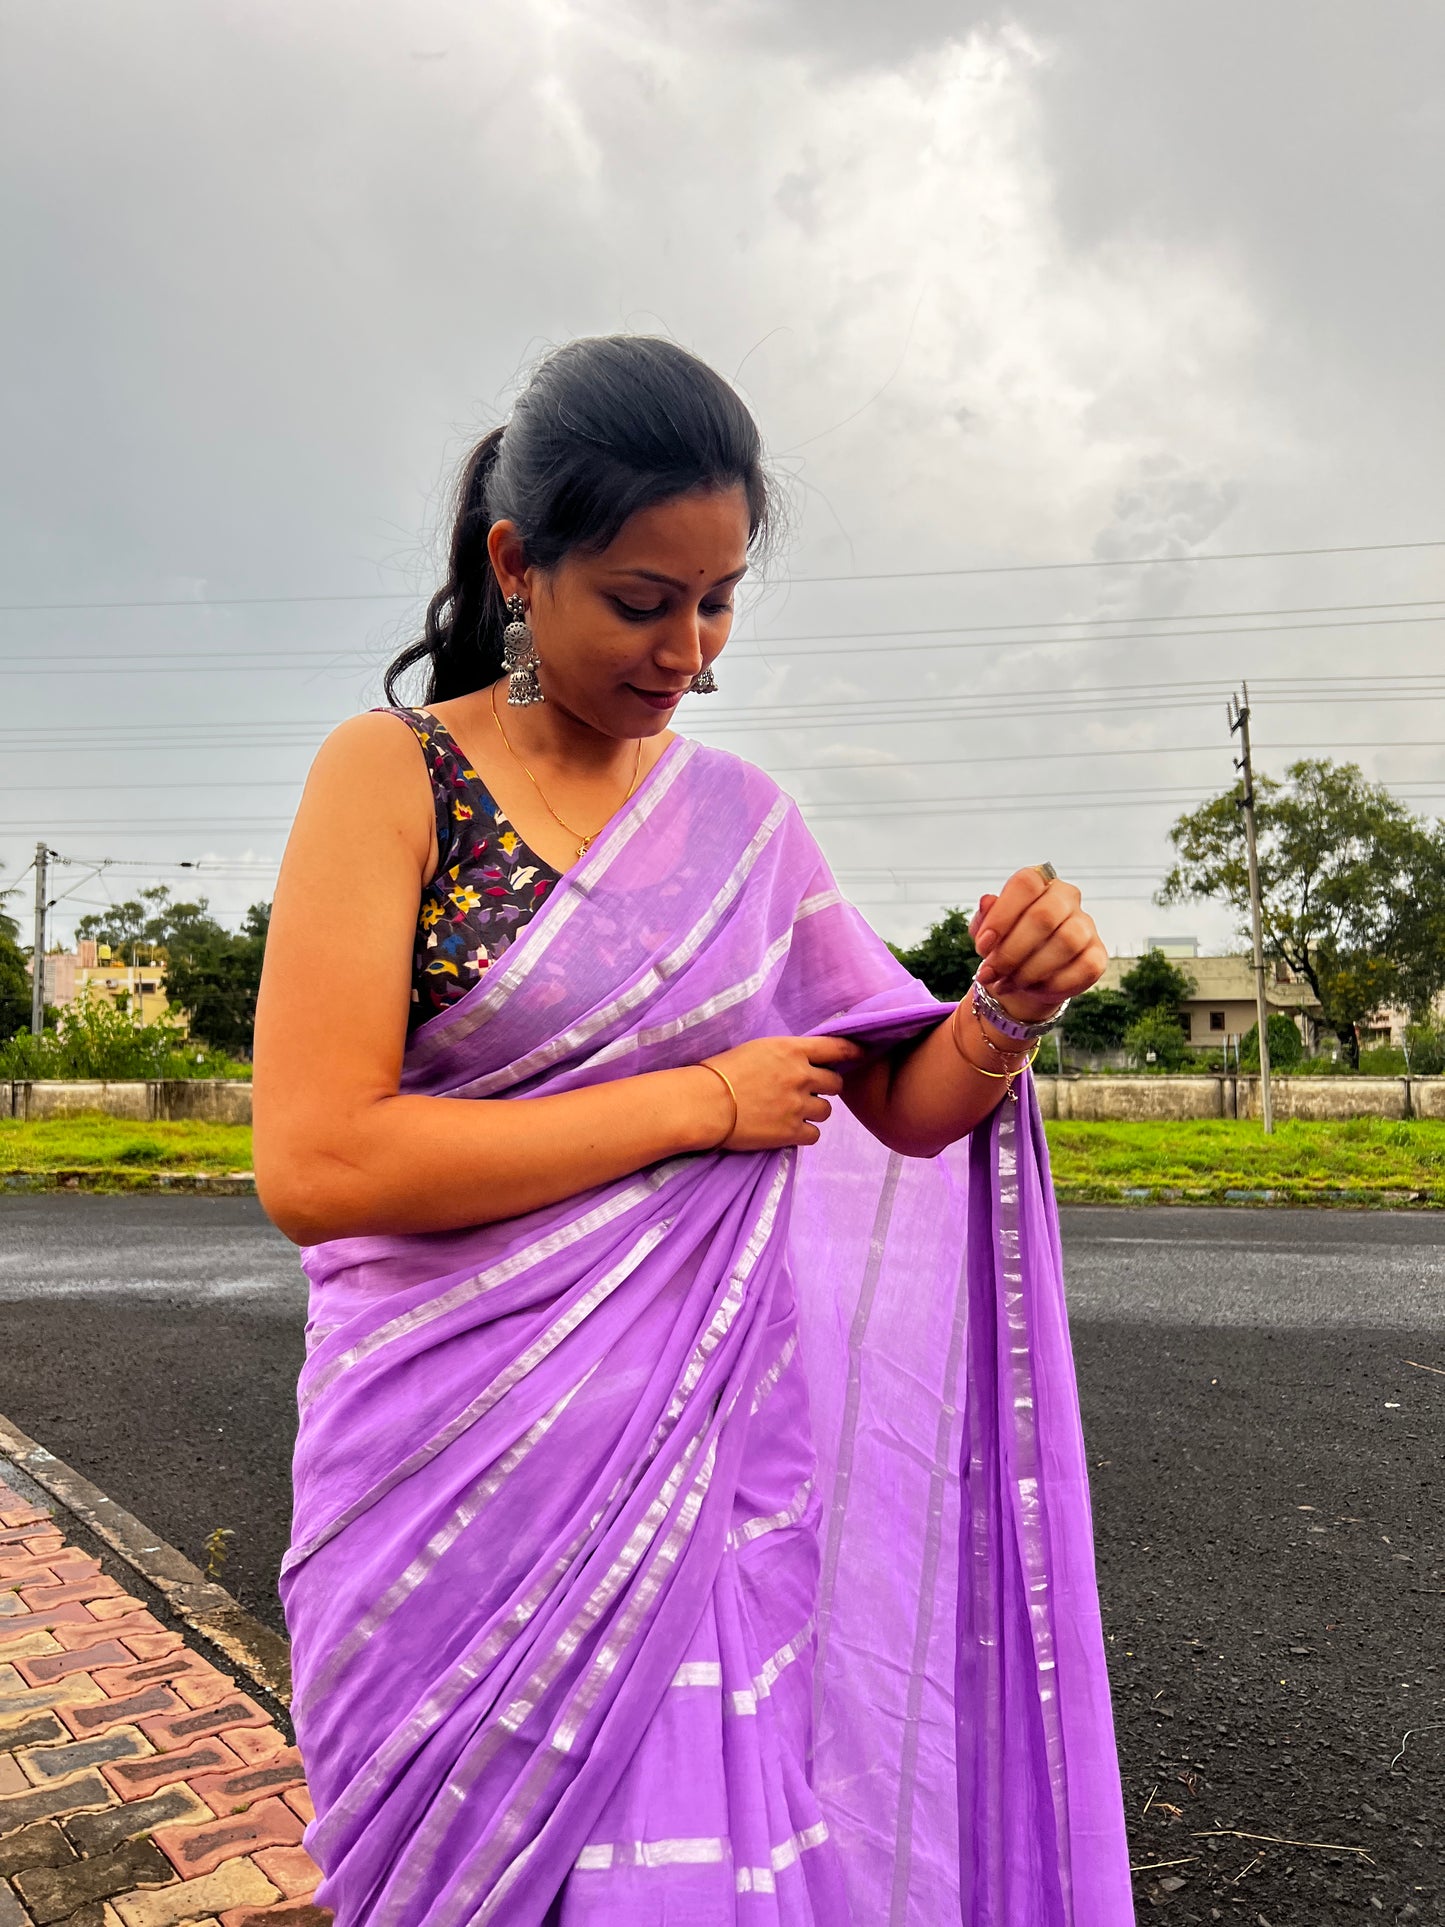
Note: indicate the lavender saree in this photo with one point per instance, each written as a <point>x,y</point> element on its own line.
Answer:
<point>714,1545</point>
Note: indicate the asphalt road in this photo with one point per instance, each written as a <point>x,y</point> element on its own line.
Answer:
<point>1264,1441</point>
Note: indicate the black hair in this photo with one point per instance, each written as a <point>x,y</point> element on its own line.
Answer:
<point>606,425</point>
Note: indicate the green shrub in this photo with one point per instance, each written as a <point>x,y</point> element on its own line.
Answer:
<point>1427,1049</point>
<point>1158,1031</point>
<point>1097,1020</point>
<point>1383,1060</point>
<point>1286,1046</point>
<point>95,1038</point>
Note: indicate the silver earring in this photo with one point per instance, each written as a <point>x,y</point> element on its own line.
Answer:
<point>704,683</point>
<point>519,657</point>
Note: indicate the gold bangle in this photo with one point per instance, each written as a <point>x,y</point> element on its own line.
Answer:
<point>957,1045</point>
<point>988,1043</point>
<point>1006,1078</point>
<point>727,1086</point>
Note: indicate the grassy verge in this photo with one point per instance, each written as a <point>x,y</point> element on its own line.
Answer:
<point>109,1154</point>
<point>1355,1161</point>
<point>1358,1161</point>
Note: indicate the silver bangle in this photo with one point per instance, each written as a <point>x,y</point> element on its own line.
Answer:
<point>989,1006</point>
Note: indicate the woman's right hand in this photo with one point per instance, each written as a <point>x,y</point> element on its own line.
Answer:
<point>782,1085</point>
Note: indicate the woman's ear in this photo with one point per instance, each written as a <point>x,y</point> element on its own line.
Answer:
<point>509,558</point>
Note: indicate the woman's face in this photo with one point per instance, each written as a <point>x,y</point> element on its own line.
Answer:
<point>621,634</point>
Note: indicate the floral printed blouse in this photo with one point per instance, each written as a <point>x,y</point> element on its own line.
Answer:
<point>488,883</point>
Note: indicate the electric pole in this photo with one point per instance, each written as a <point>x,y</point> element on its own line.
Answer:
<point>37,988</point>
<point>1238,713</point>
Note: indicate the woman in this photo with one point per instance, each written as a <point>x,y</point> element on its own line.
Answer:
<point>691,1521</point>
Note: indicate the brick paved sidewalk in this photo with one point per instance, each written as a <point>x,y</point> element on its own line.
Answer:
<point>138,1786</point>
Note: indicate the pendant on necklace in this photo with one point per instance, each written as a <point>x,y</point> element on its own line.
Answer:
<point>584,846</point>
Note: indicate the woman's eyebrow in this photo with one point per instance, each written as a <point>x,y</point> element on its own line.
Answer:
<point>653,575</point>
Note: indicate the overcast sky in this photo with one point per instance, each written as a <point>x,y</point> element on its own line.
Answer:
<point>1005,288</point>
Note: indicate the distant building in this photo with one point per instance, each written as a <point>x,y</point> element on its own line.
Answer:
<point>96,967</point>
<point>1173,947</point>
<point>1222,1003</point>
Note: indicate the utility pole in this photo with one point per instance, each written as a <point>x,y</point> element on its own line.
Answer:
<point>37,988</point>
<point>1238,713</point>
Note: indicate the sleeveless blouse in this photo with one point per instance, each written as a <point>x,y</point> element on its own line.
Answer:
<point>487,884</point>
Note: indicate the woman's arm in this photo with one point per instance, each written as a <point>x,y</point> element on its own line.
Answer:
<point>1038,949</point>
<point>338,1151</point>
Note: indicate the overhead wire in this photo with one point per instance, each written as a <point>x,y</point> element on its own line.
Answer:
<point>986,705</point>
<point>898,768</point>
<point>877,575</point>
<point>867,807</point>
<point>842,643</point>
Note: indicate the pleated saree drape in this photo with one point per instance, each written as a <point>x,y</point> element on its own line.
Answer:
<point>714,1545</point>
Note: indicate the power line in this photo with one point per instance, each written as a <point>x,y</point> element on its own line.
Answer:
<point>1037,800</point>
<point>882,575</point>
<point>1302,687</point>
<point>957,760</point>
<point>1126,562</point>
<point>887,806</point>
<point>844,642</point>
<point>983,706</point>
<point>969,628</point>
<point>206,866</point>
<point>216,729</point>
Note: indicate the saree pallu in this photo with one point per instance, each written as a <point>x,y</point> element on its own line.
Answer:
<point>715,1545</point>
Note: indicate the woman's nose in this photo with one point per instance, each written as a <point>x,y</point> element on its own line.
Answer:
<point>680,649</point>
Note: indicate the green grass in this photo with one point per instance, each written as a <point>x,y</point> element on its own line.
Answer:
<point>119,1155</point>
<point>1358,1161</point>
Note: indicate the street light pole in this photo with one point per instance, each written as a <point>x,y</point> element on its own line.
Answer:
<point>1239,722</point>
<point>37,988</point>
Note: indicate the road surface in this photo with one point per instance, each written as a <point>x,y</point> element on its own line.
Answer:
<point>1264,1438</point>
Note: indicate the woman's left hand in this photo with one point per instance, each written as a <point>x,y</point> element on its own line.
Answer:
<point>1038,945</point>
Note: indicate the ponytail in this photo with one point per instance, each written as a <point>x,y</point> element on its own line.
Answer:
<point>462,635</point>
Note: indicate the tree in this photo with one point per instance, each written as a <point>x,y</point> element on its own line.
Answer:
<point>945,958</point>
<point>1097,1020</point>
<point>212,974</point>
<point>14,978</point>
<point>1352,886</point>
<point>153,923</point>
<point>1157,1030</point>
<point>1425,1044</point>
<point>1286,1046</point>
<point>1154,983</point>
<point>216,979</point>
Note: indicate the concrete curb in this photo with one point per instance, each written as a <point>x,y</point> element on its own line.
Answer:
<point>233,1184</point>
<point>208,1609</point>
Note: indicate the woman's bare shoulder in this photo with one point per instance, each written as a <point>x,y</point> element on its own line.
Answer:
<point>369,772</point>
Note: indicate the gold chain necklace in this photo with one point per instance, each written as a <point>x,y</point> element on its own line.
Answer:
<point>587,841</point>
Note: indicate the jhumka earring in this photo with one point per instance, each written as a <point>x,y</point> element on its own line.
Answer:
<point>704,683</point>
<point>519,657</point>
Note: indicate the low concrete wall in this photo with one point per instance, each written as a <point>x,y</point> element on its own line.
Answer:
<point>1324,1099</point>
<point>1096,1100</point>
<point>209,1100</point>
<point>212,1100</point>
<point>64,1098</point>
<point>1084,1100</point>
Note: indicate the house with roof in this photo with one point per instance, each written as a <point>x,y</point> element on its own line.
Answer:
<point>1221,1007</point>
